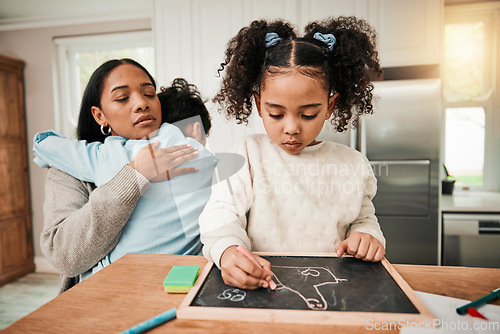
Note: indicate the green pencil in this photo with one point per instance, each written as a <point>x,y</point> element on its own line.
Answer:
<point>493,295</point>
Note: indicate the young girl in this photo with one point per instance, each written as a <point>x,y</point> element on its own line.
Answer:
<point>300,194</point>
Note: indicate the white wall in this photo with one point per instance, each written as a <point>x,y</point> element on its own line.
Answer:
<point>35,47</point>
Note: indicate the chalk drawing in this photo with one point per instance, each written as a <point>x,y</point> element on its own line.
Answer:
<point>234,295</point>
<point>316,276</point>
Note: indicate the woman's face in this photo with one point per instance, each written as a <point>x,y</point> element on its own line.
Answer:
<point>293,108</point>
<point>129,104</point>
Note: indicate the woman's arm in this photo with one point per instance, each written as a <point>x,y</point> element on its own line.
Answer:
<point>82,224</point>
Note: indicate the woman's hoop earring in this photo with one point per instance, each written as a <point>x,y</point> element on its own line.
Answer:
<point>107,133</point>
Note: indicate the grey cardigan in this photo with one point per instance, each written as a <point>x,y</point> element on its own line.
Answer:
<point>82,223</point>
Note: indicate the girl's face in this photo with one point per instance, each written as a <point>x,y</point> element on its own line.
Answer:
<point>129,104</point>
<point>293,108</point>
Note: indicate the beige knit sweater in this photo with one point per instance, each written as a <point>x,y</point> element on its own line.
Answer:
<point>82,224</point>
<point>308,202</point>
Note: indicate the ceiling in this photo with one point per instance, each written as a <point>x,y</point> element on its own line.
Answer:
<point>25,14</point>
<point>22,14</point>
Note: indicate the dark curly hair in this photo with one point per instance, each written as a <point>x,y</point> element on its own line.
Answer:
<point>347,69</point>
<point>182,100</point>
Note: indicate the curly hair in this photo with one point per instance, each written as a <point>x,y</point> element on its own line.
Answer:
<point>347,69</point>
<point>182,100</point>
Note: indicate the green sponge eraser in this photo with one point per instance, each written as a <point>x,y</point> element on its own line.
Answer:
<point>180,279</point>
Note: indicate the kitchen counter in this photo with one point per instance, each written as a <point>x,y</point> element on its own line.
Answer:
<point>471,201</point>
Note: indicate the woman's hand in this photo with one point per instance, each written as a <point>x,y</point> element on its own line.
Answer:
<point>160,164</point>
<point>239,271</point>
<point>362,246</point>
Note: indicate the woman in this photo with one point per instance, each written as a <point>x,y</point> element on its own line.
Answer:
<point>83,223</point>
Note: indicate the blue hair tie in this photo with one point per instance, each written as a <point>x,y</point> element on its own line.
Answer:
<point>328,39</point>
<point>272,38</point>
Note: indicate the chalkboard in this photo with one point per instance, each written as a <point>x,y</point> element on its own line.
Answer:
<point>315,286</point>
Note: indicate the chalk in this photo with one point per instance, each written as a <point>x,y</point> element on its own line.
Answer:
<point>181,278</point>
<point>153,322</point>
<point>495,294</point>
<point>241,248</point>
<point>473,312</point>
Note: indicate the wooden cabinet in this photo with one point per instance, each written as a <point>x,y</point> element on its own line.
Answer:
<point>409,32</point>
<point>16,246</point>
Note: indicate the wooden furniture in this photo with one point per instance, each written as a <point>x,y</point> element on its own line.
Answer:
<point>130,291</point>
<point>16,247</point>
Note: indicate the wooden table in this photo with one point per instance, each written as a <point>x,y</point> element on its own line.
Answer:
<point>130,291</point>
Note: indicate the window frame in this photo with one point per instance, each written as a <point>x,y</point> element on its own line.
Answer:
<point>67,97</point>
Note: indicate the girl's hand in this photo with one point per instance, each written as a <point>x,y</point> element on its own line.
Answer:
<point>361,246</point>
<point>160,164</point>
<point>239,271</point>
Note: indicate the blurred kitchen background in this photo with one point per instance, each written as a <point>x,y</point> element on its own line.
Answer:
<point>439,105</point>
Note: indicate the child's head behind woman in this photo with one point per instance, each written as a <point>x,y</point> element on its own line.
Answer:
<point>299,82</point>
<point>182,106</point>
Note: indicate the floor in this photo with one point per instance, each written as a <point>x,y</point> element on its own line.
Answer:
<point>24,295</point>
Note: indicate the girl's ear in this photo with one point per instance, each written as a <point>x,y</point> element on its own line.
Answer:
<point>99,116</point>
<point>332,102</point>
<point>256,96</point>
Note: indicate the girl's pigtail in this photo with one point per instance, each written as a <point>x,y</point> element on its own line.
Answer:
<point>243,58</point>
<point>243,66</point>
<point>352,64</point>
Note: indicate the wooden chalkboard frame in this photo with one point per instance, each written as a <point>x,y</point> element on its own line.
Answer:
<point>341,318</point>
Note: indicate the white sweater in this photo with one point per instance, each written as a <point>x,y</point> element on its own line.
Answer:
<point>306,203</point>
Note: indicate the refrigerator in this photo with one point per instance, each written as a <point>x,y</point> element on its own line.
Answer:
<point>401,139</point>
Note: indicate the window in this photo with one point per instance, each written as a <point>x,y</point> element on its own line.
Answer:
<point>466,62</point>
<point>469,97</point>
<point>465,144</point>
<point>78,57</point>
